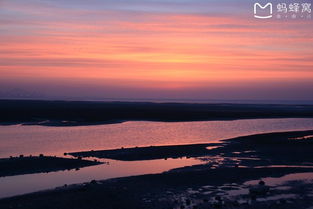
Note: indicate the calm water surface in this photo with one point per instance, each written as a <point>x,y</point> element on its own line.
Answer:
<point>17,139</point>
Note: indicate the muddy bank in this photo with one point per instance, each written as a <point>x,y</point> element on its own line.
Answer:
<point>148,191</point>
<point>283,148</point>
<point>227,168</point>
<point>39,164</point>
<point>150,153</point>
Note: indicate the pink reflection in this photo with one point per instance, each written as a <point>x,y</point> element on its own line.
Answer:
<point>22,184</point>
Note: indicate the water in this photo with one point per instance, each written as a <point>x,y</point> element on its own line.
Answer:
<point>17,139</point>
<point>21,184</point>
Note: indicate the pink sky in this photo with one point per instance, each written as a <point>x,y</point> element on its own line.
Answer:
<point>52,49</point>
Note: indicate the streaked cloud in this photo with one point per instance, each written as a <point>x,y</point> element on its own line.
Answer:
<point>148,42</point>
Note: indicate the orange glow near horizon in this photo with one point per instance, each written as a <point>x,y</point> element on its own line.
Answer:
<point>186,49</point>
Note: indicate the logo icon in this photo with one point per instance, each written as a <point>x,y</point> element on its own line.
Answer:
<point>263,12</point>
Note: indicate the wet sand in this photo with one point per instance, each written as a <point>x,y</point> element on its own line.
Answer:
<point>39,164</point>
<point>237,161</point>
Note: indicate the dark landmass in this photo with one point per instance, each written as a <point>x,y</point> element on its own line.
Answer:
<point>133,192</point>
<point>149,153</point>
<point>282,148</point>
<point>68,113</point>
<point>39,164</point>
<point>276,147</point>
<point>200,186</point>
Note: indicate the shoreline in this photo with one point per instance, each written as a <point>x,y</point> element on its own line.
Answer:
<point>150,152</point>
<point>40,164</point>
<point>237,161</point>
<point>76,124</point>
<point>66,113</point>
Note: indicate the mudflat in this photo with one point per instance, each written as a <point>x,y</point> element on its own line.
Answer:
<point>39,164</point>
<point>226,170</point>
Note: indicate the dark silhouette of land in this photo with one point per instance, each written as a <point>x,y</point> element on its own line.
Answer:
<point>158,189</point>
<point>149,153</point>
<point>62,113</point>
<point>39,164</point>
<point>244,158</point>
<point>282,148</point>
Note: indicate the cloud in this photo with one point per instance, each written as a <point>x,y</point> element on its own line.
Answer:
<point>183,43</point>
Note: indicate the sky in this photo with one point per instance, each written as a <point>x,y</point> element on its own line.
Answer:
<point>156,49</point>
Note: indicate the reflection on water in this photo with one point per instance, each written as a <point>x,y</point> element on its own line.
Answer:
<point>34,182</point>
<point>272,181</point>
<point>281,190</point>
<point>17,139</point>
